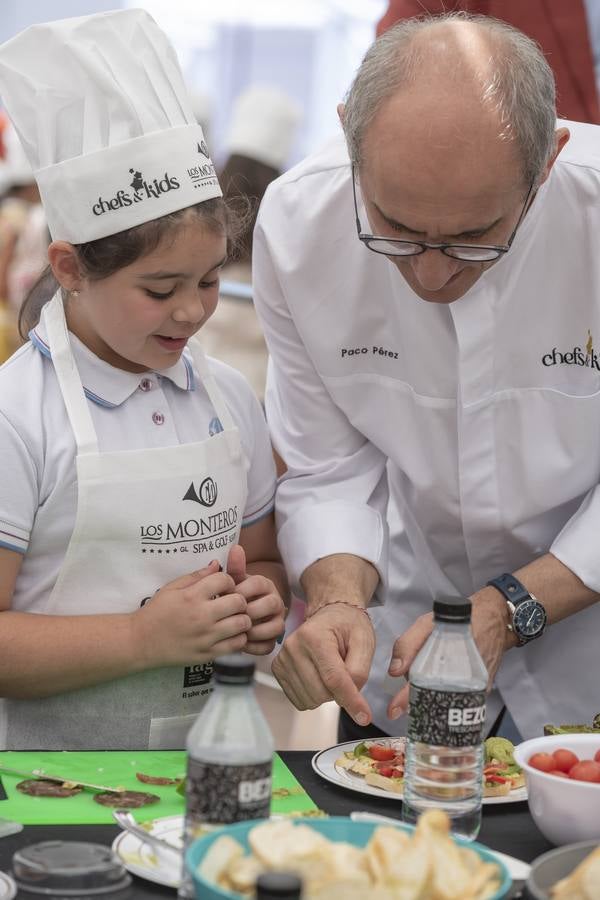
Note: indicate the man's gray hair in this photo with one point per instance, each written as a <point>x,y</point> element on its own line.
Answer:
<point>519,83</point>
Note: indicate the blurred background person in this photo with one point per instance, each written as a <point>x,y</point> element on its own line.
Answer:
<point>263,124</point>
<point>568,31</point>
<point>24,237</point>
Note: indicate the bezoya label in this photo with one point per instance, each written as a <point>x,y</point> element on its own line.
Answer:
<point>446,718</point>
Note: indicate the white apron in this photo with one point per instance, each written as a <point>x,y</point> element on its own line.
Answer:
<point>144,517</point>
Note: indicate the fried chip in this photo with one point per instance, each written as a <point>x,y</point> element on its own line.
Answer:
<point>583,883</point>
<point>427,865</point>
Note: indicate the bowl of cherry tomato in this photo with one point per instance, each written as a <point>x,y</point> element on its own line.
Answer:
<point>562,772</point>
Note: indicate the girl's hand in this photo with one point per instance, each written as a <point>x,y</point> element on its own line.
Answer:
<point>192,619</point>
<point>265,606</point>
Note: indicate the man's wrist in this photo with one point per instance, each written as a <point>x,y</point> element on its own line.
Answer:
<point>341,577</point>
<point>495,605</point>
<point>317,609</point>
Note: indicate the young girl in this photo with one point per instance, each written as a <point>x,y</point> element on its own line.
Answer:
<point>136,529</point>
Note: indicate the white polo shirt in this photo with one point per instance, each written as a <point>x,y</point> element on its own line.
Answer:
<point>38,486</point>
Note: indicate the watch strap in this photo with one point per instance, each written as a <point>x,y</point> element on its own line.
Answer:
<point>511,588</point>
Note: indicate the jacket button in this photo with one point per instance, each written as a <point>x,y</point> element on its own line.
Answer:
<point>146,384</point>
<point>158,418</point>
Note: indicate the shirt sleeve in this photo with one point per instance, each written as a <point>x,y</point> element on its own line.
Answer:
<point>333,497</point>
<point>576,545</point>
<point>261,472</point>
<point>18,490</point>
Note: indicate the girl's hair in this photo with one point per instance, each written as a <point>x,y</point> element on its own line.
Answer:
<point>105,256</point>
<point>518,82</point>
<point>244,178</point>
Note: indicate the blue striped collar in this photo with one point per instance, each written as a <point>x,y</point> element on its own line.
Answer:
<point>105,384</point>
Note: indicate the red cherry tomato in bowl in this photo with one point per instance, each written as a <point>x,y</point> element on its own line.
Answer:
<point>586,770</point>
<point>559,773</point>
<point>381,753</point>
<point>564,760</point>
<point>545,762</point>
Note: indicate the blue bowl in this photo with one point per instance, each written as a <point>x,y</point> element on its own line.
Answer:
<point>336,828</point>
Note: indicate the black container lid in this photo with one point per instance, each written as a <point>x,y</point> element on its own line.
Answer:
<point>452,609</point>
<point>234,669</point>
<point>278,886</point>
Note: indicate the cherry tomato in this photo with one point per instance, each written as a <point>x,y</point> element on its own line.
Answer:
<point>586,770</point>
<point>597,756</point>
<point>559,773</point>
<point>381,753</point>
<point>397,773</point>
<point>565,760</point>
<point>386,771</point>
<point>543,761</point>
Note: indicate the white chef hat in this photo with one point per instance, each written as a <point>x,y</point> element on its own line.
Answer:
<point>101,108</point>
<point>263,122</point>
<point>15,170</point>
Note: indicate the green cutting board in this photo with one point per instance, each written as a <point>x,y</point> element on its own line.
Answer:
<point>116,768</point>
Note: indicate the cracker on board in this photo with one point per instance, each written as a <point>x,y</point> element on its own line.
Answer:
<point>126,799</point>
<point>39,787</point>
<point>156,779</point>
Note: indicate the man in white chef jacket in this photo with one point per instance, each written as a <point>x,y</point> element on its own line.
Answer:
<point>448,363</point>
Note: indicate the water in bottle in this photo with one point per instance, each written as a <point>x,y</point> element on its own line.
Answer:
<point>229,756</point>
<point>444,754</point>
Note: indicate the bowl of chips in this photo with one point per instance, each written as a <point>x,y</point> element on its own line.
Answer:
<point>338,858</point>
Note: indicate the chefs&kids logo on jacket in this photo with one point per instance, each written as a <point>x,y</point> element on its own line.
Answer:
<point>578,356</point>
<point>141,189</point>
<point>202,532</point>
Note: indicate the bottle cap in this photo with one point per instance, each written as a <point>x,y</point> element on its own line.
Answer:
<point>234,669</point>
<point>452,609</point>
<point>278,886</point>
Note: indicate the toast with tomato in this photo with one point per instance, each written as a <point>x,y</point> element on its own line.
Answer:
<point>501,774</point>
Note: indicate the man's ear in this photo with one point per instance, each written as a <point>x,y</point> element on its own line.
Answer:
<point>341,111</point>
<point>561,137</point>
<point>64,263</point>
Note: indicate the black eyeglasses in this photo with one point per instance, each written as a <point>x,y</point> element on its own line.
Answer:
<point>465,252</point>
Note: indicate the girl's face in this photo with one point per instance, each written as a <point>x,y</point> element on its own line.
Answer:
<point>142,316</point>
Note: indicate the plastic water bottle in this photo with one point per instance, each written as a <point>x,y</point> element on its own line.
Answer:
<point>278,886</point>
<point>446,716</point>
<point>229,756</point>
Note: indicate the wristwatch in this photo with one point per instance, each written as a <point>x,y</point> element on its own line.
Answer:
<point>527,615</point>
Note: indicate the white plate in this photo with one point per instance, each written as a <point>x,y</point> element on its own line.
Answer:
<point>324,764</point>
<point>142,860</point>
<point>8,888</point>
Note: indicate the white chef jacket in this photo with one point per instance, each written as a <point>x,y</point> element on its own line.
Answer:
<point>481,417</point>
<point>38,490</point>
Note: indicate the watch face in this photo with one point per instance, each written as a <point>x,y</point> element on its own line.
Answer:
<point>529,619</point>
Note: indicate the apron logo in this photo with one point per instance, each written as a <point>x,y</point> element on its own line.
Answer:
<point>207,493</point>
<point>203,149</point>
<point>575,357</point>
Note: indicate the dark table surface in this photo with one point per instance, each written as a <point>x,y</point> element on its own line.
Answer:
<point>508,828</point>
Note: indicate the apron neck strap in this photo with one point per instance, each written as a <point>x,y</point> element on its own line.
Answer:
<point>69,380</point>
<point>212,389</point>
